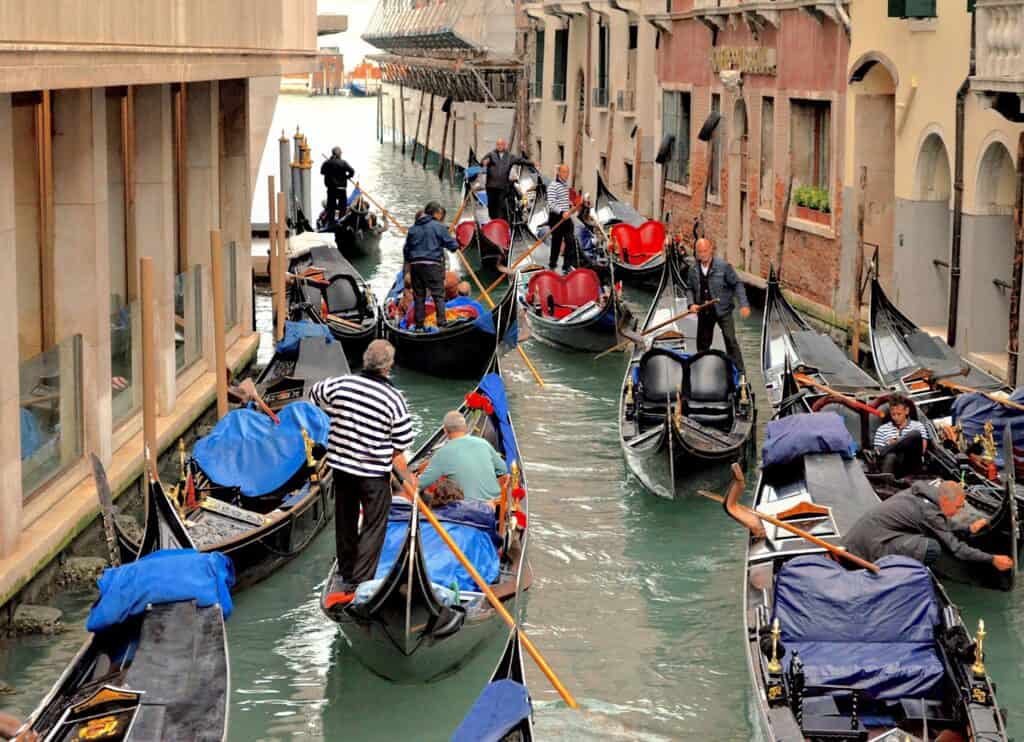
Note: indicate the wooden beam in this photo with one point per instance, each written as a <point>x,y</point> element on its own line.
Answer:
<point>401,110</point>
<point>148,361</point>
<point>128,166</point>
<point>47,268</point>
<point>419,120</point>
<point>282,253</point>
<point>180,137</point>
<point>430,124</point>
<point>272,242</point>
<point>219,341</point>
<point>444,143</point>
<point>637,167</point>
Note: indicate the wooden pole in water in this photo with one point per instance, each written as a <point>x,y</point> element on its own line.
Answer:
<point>148,362</point>
<point>451,168</point>
<point>219,341</point>
<point>401,110</point>
<point>419,120</point>
<point>271,235</point>
<point>476,134</point>
<point>444,143</point>
<point>430,124</point>
<point>637,168</point>
<point>858,270</point>
<point>282,251</point>
<point>783,216</point>
<point>394,130</point>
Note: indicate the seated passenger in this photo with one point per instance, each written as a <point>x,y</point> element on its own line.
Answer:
<point>901,442</point>
<point>451,285</point>
<point>917,523</point>
<point>464,288</point>
<point>470,461</point>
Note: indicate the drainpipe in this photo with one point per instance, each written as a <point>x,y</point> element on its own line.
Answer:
<point>958,199</point>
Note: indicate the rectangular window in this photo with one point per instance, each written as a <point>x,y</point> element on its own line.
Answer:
<point>675,120</point>
<point>810,122</point>
<point>561,154</point>
<point>561,64</point>
<point>915,8</point>
<point>601,83</point>
<point>634,35</point>
<point>629,176</point>
<point>538,66</point>
<point>716,150</point>
<point>540,152</point>
<point>767,182</point>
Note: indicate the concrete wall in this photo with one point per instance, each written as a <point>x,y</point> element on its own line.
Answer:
<point>919,287</point>
<point>984,307</point>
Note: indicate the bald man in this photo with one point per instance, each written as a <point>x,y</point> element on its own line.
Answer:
<point>498,164</point>
<point>713,278</point>
<point>563,238</point>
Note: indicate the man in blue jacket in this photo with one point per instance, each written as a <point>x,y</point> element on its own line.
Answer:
<point>713,278</point>
<point>424,259</point>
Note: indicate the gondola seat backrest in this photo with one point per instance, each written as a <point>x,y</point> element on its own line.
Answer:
<point>708,388</point>
<point>856,629</point>
<point>637,245</point>
<point>464,233</point>
<point>343,296</point>
<point>567,292</point>
<point>875,422</point>
<point>498,232</point>
<point>852,419</point>
<point>660,379</point>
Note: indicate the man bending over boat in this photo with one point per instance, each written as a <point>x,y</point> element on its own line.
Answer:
<point>370,431</point>
<point>469,460</point>
<point>901,442</point>
<point>714,278</point>
<point>917,523</point>
<point>424,259</point>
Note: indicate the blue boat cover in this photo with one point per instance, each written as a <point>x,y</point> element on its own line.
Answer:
<point>295,331</point>
<point>472,171</point>
<point>494,388</point>
<point>794,436</point>
<point>465,512</point>
<point>499,708</point>
<point>974,410</point>
<point>442,566</point>
<point>247,450</point>
<point>352,198</point>
<point>857,629</point>
<point>31,435</point>
<point>165,576</point>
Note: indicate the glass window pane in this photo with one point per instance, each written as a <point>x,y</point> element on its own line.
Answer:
<point>188,318</point>
<point>230,286</point>
<point>125,361</point>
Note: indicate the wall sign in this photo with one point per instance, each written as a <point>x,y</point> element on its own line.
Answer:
<point>754,60</point>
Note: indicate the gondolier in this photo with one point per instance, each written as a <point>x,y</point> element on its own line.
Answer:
<point>714,278</point>
<point>563,241</point>
<point>370,430</point>
<point>901,442</point>
<point>498,163</point>
<point>424,256</point>
<point>336,174</point>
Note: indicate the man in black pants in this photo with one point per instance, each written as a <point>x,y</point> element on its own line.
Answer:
<point>713,278</point>
<point>498,163</point>
<point>336,174</point>
<point>370,431</point>
<point>563,237</point>
<point>424,259</point>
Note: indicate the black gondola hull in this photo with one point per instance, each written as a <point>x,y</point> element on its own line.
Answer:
<point>591,335</point>
<point>646,275</point>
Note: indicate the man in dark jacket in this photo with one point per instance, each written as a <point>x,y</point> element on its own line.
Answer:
<point>713,278</point>
<point>336,174</point>
<point>917,523</point>
<point>498,164</point>
<point>424,259</point>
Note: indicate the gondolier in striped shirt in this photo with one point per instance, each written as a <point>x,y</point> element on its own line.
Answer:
<point>370,431</point>
<point>563,241</point>
<point>901,442</point>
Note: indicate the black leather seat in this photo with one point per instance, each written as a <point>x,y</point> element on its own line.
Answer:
<point>661,377</point>
<point>344,297</point>
<point>709,389</point>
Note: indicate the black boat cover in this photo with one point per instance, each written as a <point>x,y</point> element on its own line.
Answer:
<point>839,484</point>
<point>820,351</point>
<point>320,358</point>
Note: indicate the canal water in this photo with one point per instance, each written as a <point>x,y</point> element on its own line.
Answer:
<point>636,600</point>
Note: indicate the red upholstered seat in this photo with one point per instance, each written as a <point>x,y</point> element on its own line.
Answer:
<point>638,244</point>
<point>569,292</point>
<point>498,232</point>
<point>464,232</point>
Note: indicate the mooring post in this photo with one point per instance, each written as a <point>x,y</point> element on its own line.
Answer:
<point>219,341</point>
<point>282,257</point>
<point>148,362</point>
<point>430,124</point>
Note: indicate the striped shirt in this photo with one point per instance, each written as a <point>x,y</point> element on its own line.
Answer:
<point>889,430</point>
<point>369,423</point>
<point>558,196</point>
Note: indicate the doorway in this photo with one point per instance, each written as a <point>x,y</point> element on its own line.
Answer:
<point>738,204</point>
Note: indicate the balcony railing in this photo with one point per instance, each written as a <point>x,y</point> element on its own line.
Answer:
<point>1000,45</point>
<point>625,100</point>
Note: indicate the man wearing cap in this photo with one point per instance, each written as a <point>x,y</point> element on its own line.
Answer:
<point>424,259</point>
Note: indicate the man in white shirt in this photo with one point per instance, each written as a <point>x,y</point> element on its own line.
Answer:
<point>901,442</point>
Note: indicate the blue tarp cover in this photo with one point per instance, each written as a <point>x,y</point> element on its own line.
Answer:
<point>494,388</point>
<point>464,512</point>
<point>352,199</point>
<point>791,437</point>
<point>166,576</point>
<point>472,171</point>
<point>247,450</point>
<point>295,331</point>
<point>974,410</point>
<point>442,566</point>
<point>854,628</point>
<point>496,712</point>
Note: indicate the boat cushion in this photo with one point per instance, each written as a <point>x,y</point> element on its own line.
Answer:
<point>661,376</point>
<point>498,232</point>
<point>464,233</point>
<point>574,290</point>
<point>460,308</point>
<point>502,706</point>
<point>709,378</point>
<point>861,630</point>
<point>248,451</point>
<point>794,436</point>
<point>344,295</point>
<point>165,576</point>
<point>637,245</point>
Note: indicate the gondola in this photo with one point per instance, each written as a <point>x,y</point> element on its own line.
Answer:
<point>255,491</point>
<point>331,290</point>
<point>787,335</point>
<point>408,628</point>
<point>160,675</point>
<point>485,244</point>
<point>503,711</point>
<point>638,244</point>
<point>461,350</point>
<point>307,354</point>
<point>575,311</point>
<point>843,654</point>
<point>359,230</point>
<point>680,409</point>
<point>907,358</point>
<point>473,178</point>
<point>529,188</point>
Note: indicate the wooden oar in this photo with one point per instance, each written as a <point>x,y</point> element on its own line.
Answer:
<point>247,390</point>
<point>345,322</point>
<point>805,380</point>
<point>487,297</point>
<point>458,214</point>
<point>491,597</point>
<point>658,326</point>
<point>384,211</point>
<point>534,246</point>
<point>953,386</point>
<point>831,548</point>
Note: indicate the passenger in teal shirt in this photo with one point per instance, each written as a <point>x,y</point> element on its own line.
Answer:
<point>469,460</point>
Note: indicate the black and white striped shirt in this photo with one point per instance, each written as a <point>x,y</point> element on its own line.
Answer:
<point>558,196</point>
<point>369,423</point>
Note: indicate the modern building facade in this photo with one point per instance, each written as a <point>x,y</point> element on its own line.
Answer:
<point>127,130</point>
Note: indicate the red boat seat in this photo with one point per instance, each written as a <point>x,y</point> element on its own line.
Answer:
<point>569,292</point>
<point>464,233</point>
<point>498,232</point>
<point>637,245</point>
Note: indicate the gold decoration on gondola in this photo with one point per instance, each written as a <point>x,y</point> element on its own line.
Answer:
<point>310,459</point>
<point>101,728</point>
<point>744,399</point>
<point>978,668</point>
<point>629,390</point>
<point>679,408</point>
<point>774,665</point>
<point>181,459</point>
<point>958,437</point>
<point>987,440</point>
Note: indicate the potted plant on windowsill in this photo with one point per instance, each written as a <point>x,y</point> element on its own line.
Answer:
<point>813,205</point>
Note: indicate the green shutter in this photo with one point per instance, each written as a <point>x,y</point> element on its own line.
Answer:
<point>970,6</point>
<point>897,8</point>
<point>921,9</point>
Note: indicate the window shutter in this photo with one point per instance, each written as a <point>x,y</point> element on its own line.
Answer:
<point>897,8</point>
<point>921,9</point>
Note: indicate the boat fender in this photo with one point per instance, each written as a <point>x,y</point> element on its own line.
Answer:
<point>447,622</point>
